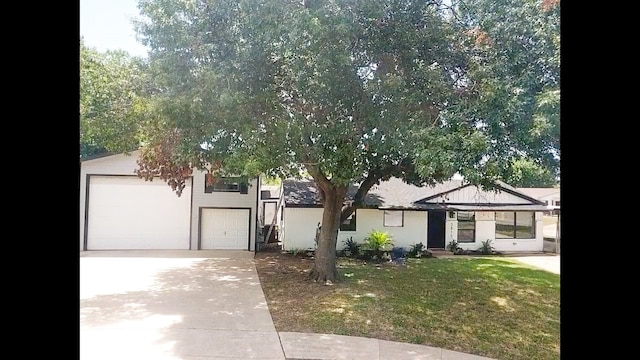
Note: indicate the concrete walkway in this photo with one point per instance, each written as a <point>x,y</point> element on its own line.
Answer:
<point>334,347</point>
<point>202,305</point>
<point>548,261</point>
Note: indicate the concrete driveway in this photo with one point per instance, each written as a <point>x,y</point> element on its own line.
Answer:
<point>548,262</point>
<point>173,305</point>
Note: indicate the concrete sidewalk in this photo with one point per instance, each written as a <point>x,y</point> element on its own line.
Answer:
<point>202,305</point>
<point>334,347</point>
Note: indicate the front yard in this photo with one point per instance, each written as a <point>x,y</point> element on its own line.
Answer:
<point>486,306</point>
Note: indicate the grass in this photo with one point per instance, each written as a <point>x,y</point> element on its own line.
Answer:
<point>486,306</point>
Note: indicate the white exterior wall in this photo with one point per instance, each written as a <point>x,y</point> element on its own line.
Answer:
<point>300,227</point>
<point>450,229</point>
<point>126,165</point>
<point>473,194</point>
<point>110,165</point>
<point>232,200</point>
<point>551,198</point>
<point>486,229</point>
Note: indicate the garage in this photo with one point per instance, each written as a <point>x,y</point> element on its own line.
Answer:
<point>224,228</point>
<point>128,213</point>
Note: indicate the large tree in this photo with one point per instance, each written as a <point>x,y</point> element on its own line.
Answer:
<point>526,173</point>
<point>352,91</point>
<point>112,101</point>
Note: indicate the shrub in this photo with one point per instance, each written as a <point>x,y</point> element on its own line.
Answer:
<point>417,250</point>
<point>453,247</point>
<point>486,248</point>
<point>376,245</point>
<point>351,248</point>
<point>378,241</point>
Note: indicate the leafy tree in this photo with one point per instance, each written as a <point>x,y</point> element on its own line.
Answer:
<point>112,101</point>
<point>515,74</point>
<point>348,91</point>
<point>526,173</point>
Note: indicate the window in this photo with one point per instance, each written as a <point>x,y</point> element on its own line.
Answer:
<point>557,202</point>
<point>466,226</point>
<point>224,184</point>
<point>350,223</point>
<point>515,225</point>
<point>393,218</point>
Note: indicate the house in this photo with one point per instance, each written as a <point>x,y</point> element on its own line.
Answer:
<point>549,196</point>
<point>432,215</point>
<point>120,211</point>
<point>270,212</point>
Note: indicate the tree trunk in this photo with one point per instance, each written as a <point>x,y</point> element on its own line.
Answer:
<point>324,268</point>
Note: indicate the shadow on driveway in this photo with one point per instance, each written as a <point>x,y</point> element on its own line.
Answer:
<point>170,307</point>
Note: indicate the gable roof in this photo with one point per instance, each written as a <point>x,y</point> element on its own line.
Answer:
<point>538,193</point>
<point>110,154</point>
<point>396,194</point>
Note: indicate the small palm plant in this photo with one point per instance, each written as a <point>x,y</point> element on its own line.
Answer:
<point>377,243</point>
<point>486,248</point>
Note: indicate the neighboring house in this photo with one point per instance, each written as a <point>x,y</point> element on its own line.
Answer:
<point>433,216</point>
<point>549,196</point>
<point>270,212</point>
<point>119,211</point>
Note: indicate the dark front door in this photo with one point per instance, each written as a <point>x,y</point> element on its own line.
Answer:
<point>435,226</point>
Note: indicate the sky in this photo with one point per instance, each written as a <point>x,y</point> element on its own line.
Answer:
<point>106,25</point>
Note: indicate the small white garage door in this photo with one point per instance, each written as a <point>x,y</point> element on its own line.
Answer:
<point>128,213</point>
<point>224,229</point>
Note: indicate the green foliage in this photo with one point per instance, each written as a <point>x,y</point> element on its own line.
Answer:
<point>349,88</point>
<point>417,250</point>
<point>351,248</point>
<point>515,74</point>
<point>112,101</point>
<point>526,173</point>
<point>377,241</point>
<point>453,246</point>
<point>486,248</point>
<point>376,246</point>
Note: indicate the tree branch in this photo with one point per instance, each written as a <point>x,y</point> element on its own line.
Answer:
<point>373,178</point>
<point>358,198</point>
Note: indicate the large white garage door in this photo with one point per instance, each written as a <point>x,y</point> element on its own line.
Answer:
<point>224,229</point>
<point>127,213</point>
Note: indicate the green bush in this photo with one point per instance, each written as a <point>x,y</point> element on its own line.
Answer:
<point>417,250</point>
<point>376,246</point>
<point>378,241</point>
<point>486,248</point>
<point>453,247</point>
<point>351,248</point>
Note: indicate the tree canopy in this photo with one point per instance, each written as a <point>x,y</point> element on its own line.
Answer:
<point>112,101</point>
<point>350,91</point>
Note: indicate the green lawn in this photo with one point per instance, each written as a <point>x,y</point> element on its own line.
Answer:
<point>485,306</point>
